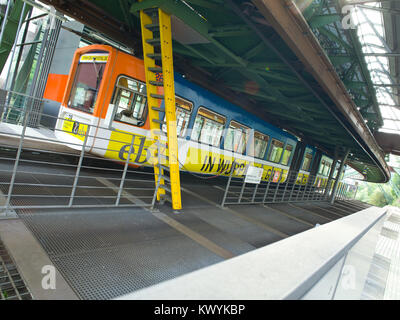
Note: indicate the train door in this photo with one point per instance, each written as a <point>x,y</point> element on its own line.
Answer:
<point>77,117</point>
<point>305,168</point>
<point>126,118</point>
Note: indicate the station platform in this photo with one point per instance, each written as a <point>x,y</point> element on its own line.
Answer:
<point>35,138</point>
<point>103,253</point>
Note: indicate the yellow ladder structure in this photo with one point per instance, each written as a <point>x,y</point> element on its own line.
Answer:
<point>157,46</point>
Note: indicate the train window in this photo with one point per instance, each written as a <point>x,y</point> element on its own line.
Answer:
<point>286,154</point>
<point>321,167</point>
<point>335,172</point>
<point>275,151</point>
<point>327,168</point>
<point>208,127</point>
<point>88,76</point>
<point>260,144</point>
<point>130,101</point>
<point>236,138</point>
<point>307,162</point>
<point>183,111</point>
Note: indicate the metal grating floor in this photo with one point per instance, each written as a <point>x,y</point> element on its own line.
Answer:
<point>12,286</point>
<point>104,254</point>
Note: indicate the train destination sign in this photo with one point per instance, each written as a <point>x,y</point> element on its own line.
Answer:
<point>94,57</point>
<point>253,175</point>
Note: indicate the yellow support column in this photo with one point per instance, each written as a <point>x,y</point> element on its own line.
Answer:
<point>154,21</point>
<point>169,94</point>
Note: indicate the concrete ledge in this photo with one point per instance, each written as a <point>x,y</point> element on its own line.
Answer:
<point>30,258</point>
<point>283,270</point>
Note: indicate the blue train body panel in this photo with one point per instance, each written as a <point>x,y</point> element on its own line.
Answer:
<point>201,97</point>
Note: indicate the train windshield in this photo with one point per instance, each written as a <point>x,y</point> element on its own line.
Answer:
<point>89,74</point>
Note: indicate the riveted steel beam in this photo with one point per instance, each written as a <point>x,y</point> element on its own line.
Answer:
<point>288,21</point>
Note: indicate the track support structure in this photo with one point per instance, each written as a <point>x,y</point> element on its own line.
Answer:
<point>158,62</point>
<point>337,182</point>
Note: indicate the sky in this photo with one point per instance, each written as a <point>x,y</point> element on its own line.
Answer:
<point>372,38</point>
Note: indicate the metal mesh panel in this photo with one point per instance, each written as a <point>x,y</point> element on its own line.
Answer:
<point>105,254</point>
<point>12,286</point>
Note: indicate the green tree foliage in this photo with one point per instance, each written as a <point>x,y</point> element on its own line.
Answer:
<point>381,195</point>
<point>378,198</point>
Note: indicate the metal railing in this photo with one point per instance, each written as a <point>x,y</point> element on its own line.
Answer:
<point>37,170</point>
<point>346,191</point>
<point>15,107</point>
<point>272,190</point>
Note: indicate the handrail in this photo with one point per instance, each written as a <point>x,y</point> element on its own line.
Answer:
<point>286,269</point>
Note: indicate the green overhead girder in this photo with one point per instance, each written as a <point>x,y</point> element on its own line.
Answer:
<point>10,29</point>
<point>362,103</point>
<point>178,9</point>
<point>338,60</point>
<point>325,17</point>
<point>335,38</point>
<point>366,74</point>
<point>230,31</point>
<point>276,66</point>
<point>354,84</point>
<point>323,20</point>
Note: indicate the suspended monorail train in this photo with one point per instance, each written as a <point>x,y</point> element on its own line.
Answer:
<point>104,107</point>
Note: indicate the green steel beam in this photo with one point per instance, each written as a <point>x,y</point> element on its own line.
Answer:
<point>335,38</point>
<point>248,55</point>
<point>323,20</point>
<point>287,103</point>
<point>10,29</point>
<point>214,5</point>
<point>230,31</point>
<point>191,51</point>
<point>366,74</point>
<point>355,84</point>
<point>125,10</point>
<point>178,9</point>
<point>342,59</point>
<point>362,103</point>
